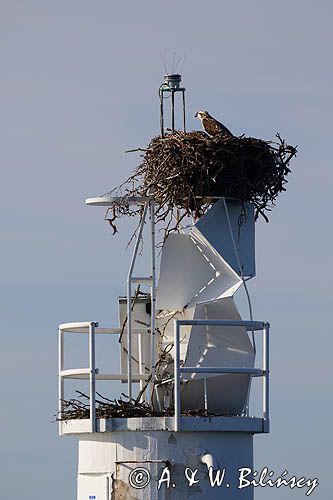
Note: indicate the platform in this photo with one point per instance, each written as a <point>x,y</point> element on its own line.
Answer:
<point>253,425</point>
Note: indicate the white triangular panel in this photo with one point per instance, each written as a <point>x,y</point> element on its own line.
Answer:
<point>214,227</point>
<point>226,281</point>
<point>192,271</point>
<point>218,345</point>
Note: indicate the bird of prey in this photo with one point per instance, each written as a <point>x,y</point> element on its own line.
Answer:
<point>211,125</point>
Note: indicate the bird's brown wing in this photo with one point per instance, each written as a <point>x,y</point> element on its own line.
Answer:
<point>214,127</point>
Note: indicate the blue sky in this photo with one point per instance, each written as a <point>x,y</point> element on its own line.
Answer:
<point>78,87</point>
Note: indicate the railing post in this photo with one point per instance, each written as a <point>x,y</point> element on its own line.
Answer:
<point>92,376</point>
<point>129,337</point>
<point>60,377</point>
<point>266,376</point>
<point>141,366</point>
<point>153,294</point>
<point>205,394</point>
<point>177,375</point>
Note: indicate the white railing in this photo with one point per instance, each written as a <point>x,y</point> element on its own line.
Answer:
<point>92,373</point>
<point>254,372</point>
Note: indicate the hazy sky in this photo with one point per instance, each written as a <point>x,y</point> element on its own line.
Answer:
<point>79,86</point>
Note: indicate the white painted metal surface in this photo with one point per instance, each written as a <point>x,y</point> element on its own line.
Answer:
<point>116,455</point>
<point>141,344</point>
<point>108,200</point>
<point>84,374</point>
<point>229,404</point>
<point>192,271</point>
<point>212,345</point>
<point>214,227</point>
<point>94,486</point>
<point>165,322</point>
<point>217,346</point>
<point>252,425</point>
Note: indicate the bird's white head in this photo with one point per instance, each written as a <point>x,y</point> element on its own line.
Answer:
<point>201,114</point>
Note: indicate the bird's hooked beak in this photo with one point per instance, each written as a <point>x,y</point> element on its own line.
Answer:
<point>196,115</point>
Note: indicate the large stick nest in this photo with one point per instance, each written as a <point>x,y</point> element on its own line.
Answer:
<point>186,170</point>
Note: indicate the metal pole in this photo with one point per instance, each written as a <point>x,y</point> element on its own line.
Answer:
<point>266,377</point>
<point>60,377</point>
<point>205,394</point>
<point>205,380</point>
<point>172,110</point>
<point>153,295</point>
<point>250,325</point>
<point>161,113</point>
<point>184,112</point>
<point>129,338</point>
<point>141,371</point>
<point>177,375</point>
<point>92,376</point>
<point>247,403</point>
<point>129,303</point>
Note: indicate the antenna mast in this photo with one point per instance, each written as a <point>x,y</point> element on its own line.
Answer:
<point>169,87</point>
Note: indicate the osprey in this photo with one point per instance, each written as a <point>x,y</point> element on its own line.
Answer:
<point>212,126</point>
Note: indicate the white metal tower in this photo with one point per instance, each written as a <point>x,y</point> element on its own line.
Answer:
<point>187,349</point>
<point>185,354</point>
